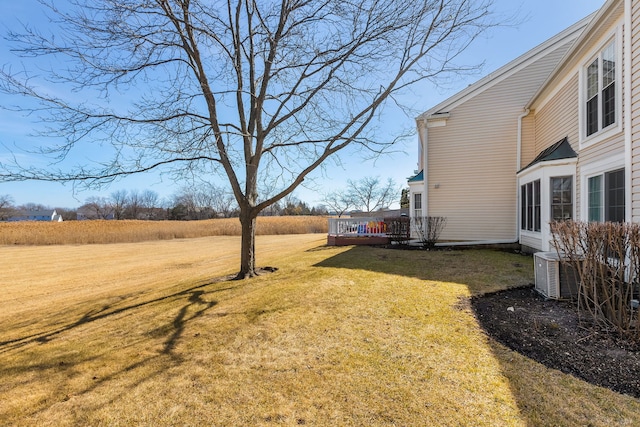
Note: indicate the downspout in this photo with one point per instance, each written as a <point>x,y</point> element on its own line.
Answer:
<point>518,167</point>
<point>627,54</point>
<point>519,143</point>
<point>424,138</point>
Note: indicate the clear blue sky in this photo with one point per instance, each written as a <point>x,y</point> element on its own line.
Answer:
<point>541,19</point>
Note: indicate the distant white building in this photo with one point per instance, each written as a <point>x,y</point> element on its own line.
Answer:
<point>45,215</point>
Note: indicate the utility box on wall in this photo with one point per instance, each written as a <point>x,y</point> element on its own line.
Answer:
<point>553,278</point>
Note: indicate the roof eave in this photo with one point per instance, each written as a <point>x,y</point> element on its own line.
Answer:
<point>502,72</point>
<point>594,20</point>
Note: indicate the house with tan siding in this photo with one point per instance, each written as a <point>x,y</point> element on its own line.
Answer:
<point>555,134</point>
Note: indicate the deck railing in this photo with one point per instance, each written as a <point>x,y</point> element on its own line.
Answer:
<point>353,227</point>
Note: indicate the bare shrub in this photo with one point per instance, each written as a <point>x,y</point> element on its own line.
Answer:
<point>607,259</point>
<point>428,229</point>
<point>398,229</point>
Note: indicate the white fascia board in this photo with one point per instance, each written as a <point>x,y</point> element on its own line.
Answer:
<point>547,164</point>
<point>437,120</point>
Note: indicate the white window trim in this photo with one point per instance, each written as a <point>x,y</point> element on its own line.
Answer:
<point>544,172</point>
<point>414,209</point>
<point>588,198</point>
<point>573,194</point>
<point>616,128</point>
<point>524,230</point>
<point>416,187</point>
<point>590,170</point>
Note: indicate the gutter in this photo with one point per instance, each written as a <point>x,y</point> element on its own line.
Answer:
<point>424,136</point>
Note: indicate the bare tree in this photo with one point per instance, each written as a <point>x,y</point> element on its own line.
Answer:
<point>6,207</point>
<point>96,208</point>
<point>133,207</point>
<point>187,200</point>
<point>370,194</point>
<point>259,91</point>
<point>33,207</point>
<point>339,201</point>
<point>203,198</point>
<point>119,200</point>
<point>150,203</point>
<point>149,199</point>
<point>222,201</point>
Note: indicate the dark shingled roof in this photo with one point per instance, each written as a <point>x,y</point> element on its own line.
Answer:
<point>560,150</point>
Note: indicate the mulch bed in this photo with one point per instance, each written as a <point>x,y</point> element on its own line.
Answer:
<point>552,333</point>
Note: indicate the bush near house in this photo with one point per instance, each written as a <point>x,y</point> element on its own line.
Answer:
<point>399,229</point>
<point>428,229</point>
<point>607,259</point>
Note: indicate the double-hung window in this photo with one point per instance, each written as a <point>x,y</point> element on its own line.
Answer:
<point>530,206</point>
<point>600,91</point>
<point>561,198</point>
<point>606,194</point>
<point>417,205</point>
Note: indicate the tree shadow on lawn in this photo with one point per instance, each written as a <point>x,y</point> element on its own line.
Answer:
<point>193,294</point>
<point>480,270</point>
<point>54,354</point>
<point>538,391</point>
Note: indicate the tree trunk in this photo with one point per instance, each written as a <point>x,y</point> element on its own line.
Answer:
<point>247,250</point>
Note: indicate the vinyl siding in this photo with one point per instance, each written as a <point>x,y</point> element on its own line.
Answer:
<point>530,241</point>
<point>472,160</point>
<point>559,118</point>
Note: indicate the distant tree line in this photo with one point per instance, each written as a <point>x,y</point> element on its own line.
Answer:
<point>207,201</point>
<point>123,204</point>
<point>188,204</point>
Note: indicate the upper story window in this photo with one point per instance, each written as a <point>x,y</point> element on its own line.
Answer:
<point>601,91</point>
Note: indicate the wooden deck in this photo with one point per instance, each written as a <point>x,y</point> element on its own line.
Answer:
<point>357,240</point>
<point>367,231</point>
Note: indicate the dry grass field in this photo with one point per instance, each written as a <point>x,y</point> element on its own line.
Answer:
<point>152,334</point>
<point>84,232</point>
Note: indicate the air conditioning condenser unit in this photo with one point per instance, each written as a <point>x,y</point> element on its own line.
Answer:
<point>553,278</point>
